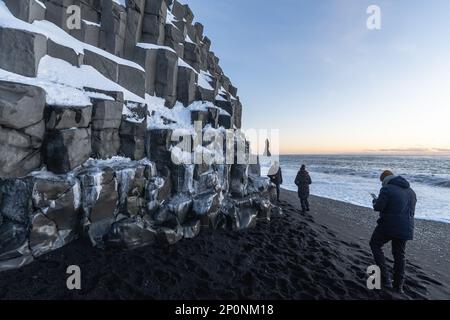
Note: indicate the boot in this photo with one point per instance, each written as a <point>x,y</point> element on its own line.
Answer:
<point>399,287</point>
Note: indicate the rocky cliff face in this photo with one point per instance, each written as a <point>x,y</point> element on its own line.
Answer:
<point>91,120</point>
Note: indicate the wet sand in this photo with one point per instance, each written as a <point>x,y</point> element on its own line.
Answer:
<point>320,255</point>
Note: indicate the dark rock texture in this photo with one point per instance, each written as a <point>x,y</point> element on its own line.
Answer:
<point>22,128</point>
<point>105,169</point>
<point>133,131</point>
<point>20,105</point>
<point>27,10</point>
<point>21,51</point>
<point>67,149</point>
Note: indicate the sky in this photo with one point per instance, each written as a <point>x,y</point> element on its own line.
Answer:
<point>315,72</point>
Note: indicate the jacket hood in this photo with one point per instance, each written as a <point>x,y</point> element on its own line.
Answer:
<point>274,169</point>
<point>397,181</point>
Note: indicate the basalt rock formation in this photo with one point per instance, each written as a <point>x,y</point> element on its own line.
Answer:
<point>92,112</point>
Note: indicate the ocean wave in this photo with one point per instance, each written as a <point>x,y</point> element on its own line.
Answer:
<point>352,180</point>
<point>432,172</point>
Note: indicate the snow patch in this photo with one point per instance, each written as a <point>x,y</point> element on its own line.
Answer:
<point>76,189</point>
<point>130,115</point>
<point>170,18</point>
<point>41,4</point>
<point>203,81</point>
<point>154,46</point>
<point>90,23</point>
<point>58,35</point>
<point>121,3</point>
<point>64,83</point>
<point>165,118</point>
<point>182,63</point>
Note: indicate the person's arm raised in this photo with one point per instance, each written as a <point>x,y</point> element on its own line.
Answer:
<point>381,202</point>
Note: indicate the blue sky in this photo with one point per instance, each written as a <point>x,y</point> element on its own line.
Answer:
<point>313,70</point>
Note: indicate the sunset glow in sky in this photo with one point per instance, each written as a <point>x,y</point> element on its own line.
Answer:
<point>313,70</point>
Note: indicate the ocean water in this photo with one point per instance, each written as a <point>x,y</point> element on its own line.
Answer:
<point>353,178</point>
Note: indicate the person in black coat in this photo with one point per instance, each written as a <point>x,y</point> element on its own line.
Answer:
<point>303,181</point>
<point>276,177</point>
<point>396,205</point>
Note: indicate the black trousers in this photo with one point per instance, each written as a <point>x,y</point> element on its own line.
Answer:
<point>278,192</point>
<point>305,204</point>
<point>398,251</point>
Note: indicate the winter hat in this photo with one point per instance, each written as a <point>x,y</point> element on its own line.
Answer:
<point>385,174</point>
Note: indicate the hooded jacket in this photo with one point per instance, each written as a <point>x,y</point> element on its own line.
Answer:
<point>276,178</point>
<point>303,180</point>
<point>396,205</point>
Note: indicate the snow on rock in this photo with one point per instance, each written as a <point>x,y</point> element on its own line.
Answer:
<point>188,39</point>
<point>203,80</point>
<point>64,83</point>
<point>145,45</point>
<point>91,23</point>
<point>41,4</point>
<point>130,115</point>
<point>58,35</point>
<point>220,98</point>
<point>182,63</point>
<point>170,19</point>
<point>164,118</point>
<point>121,2</point>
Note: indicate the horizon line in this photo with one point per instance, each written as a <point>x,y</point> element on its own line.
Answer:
<point>434,154</point>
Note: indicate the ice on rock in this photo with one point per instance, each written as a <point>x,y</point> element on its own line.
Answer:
<point>124,180</point>
<point>183,178</point>
<point>206,203</point>
<point>180,205</point>
<point>14,246</point>
<point>43,235</point>
<point>76,195</point>
<point>158,191</point>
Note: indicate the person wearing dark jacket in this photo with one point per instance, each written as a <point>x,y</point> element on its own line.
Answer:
<point>396,205</point>
<point>303,181</point>
<point>276,177</point>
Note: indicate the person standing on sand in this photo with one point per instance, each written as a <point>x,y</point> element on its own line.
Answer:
<point>276,177</point>
<point>396,205</point>
<point>303,181</point>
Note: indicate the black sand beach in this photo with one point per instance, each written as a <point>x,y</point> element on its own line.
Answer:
<point>321,255</point>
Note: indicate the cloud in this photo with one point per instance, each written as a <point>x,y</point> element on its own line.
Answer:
<point>415,150</point>
<point>441,150</point>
